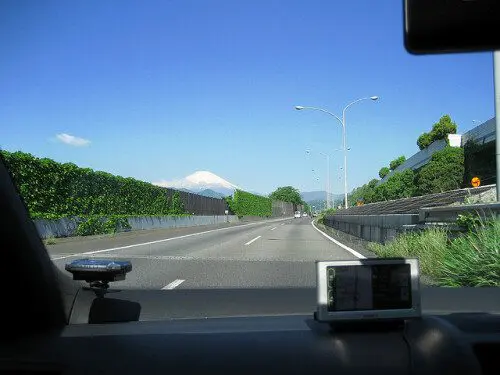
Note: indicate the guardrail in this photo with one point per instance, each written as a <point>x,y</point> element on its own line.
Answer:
<point>447,214</point>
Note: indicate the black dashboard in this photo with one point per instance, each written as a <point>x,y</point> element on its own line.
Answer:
<point>182,332</point>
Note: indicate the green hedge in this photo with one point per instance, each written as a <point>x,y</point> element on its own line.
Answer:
<point>52,189</point>
<point>247,204</point>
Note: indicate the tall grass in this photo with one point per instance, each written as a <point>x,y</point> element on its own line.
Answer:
<point>428,246</point>
<point>472,259</point>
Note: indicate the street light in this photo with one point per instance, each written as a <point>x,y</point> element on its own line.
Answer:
<point>344,138</point>
<point>327,187</point>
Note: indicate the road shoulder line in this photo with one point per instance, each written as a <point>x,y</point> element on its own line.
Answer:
<point>345,247</point>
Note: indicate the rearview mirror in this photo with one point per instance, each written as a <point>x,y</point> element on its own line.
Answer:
<point>444,26</point>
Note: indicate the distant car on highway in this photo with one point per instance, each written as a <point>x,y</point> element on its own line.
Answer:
<point>297,214</point>
<point>304,214</point>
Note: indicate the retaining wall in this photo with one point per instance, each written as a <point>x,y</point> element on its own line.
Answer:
<point>66,227</point>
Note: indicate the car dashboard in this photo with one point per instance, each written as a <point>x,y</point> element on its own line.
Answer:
<point>450,338</point>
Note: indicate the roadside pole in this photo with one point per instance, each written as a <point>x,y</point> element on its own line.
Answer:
<point>496,70</point>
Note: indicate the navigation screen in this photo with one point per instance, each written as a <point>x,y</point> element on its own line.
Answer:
<point>375,287</point>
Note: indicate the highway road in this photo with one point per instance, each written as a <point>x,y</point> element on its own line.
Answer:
<point>269,254</point>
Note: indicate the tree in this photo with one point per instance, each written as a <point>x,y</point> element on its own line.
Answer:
<point>363,193</point>
<point>424,141</point>
<point>383,172</point>
<point>443,127</point>
<point>440,130</point>
<point>400,185</point>
<point>397,162</point>
<point>444,172</point>
<point>287,194</point>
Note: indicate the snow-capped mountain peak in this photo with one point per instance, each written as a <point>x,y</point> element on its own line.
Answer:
<point>201,180</point>
<point>206,178</point>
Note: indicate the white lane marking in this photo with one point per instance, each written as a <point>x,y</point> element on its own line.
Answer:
<point>174,284</point>
<point>153,242</point>
<point>345,247</point>
<point>274,228</point>
<point>255,239</point>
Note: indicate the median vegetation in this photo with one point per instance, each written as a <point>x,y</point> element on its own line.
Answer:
<point>469,260</point>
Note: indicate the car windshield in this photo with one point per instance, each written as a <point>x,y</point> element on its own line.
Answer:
<point>231,144</point>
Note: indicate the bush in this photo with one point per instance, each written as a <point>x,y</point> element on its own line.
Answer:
<point>424,141</point>
<point>444,172</point>
<point>383,172</point>
<point>101,225</point>
<point>52,189</point>
<point>397,162</point>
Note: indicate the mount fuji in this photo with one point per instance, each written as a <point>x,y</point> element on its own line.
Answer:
<point>201,182</point>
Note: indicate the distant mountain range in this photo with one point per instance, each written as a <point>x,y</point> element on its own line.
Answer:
<point>310,196</point>
<point>211,193</point>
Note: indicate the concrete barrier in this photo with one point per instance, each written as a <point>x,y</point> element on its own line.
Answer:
<point>66,227</point>
<point>373,228</point>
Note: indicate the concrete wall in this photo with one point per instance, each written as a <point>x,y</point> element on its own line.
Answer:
<point>373,228</point>
<point>66,227</point>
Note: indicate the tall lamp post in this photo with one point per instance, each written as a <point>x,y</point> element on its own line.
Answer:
<point>344,137</point>
<point>327,187</point>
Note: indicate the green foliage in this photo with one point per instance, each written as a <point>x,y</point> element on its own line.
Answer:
<point>52,189</point>
<point>473,260</point>
<point>247,204</point>
<point>322,215</point>
<point>428,246</point>
<point>470,260</point>
<point>399,185</point>
<point>49,241</point>
<point>424,141</point>
<point>364,194</point>
<point>443,127</point>
<point>93,225</point>
<point>397,162</point>
<point>384,171</point>
<point>440,130</point>
<point>177,207</point>
<point>468,221</point>
<point>444,172</point>
<point>287,194</point>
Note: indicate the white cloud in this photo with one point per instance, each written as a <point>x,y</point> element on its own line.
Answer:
<point>72,140</point>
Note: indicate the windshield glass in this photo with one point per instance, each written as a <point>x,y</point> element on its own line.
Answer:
<point>231,144</point>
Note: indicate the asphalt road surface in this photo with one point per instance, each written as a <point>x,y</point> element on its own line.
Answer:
<point>270,254</point>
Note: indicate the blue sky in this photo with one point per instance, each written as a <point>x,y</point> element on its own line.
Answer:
<point>165,88</point>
